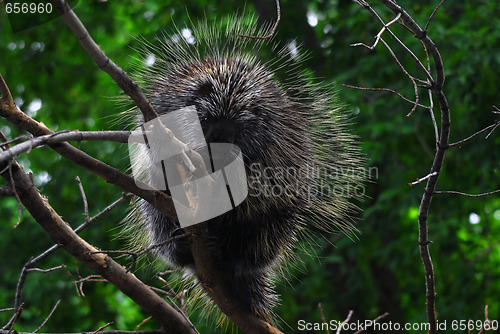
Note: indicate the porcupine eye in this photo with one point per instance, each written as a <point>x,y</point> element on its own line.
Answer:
<point>215,129</point>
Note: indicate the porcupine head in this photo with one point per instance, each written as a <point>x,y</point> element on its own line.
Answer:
<point>297,155</point>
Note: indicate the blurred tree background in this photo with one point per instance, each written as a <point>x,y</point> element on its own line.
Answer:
<point>56,82</point>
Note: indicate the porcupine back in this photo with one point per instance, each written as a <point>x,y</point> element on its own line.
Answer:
<point>299,158</point>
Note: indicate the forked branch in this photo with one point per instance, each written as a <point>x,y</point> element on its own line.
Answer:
<point>435,82</point>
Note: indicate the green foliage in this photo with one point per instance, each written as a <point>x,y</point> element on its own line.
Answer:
<point>382,270</point>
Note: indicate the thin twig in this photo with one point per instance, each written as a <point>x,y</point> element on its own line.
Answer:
<point>158,331</point>
<point>44,271</point>
<point>14,318</point>
<point>169,296</point>
<point>320,307</point>
<point>273,31</point>
<point>365,5</point>
<point>387,90</point>
<point>378,37</point>
<point>487,322</point>
<point>7,309</point>
<point>136,255</point>
<point>33,261</point>
<point>166,293</point>
<point>103,327</point>
<point>371,322</point>
<point>442,144</point>
<point>143,322</point>
<point>407,74</point>
<point>423,179</point>
<point>432,16</point>
<point>433,118</point>
<point>92,278</point>
<point>48,317</point>
<point>453,192</point>
<point>84,199</point>
<point>492,126</point>
<point>6,143</point>
<point>63,136</point>
<point>349,315</point>
<point>103,62</point>
<point>164,281</point>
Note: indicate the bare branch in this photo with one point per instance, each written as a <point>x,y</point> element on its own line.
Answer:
<point>81,227</point>
<point>161,201</point>
<point>169,296</point>
<point>365,5</point>
<point>6,102</point>
<point>136,255</point>
<point>378,37</point>
<point>63,136</point>
<point>79,283</point>
<point>492,127</point>
<point>44,271</point>
<point>7,309</point>
<point>99,330</point>
<point>103,62</point>
<point>423,179</point>
<point>407,74</point>
<point>432,16</point>
<point>496,111</point>
<point>390,91</point>
<point>84,198</point>
<point>374,321</point>
<point>61,233</point>
<point>13,320</point>
<point>48,317</point>
<point>465,194</point>
<point>487,322</point>
<point>421,35</point>
<point>32,262</point>
<point>442,143</point>
<point>433,118</point>
<point>6,143</point>
<point>273,31</point>
<point>320,307</point>
<point>349,315</point>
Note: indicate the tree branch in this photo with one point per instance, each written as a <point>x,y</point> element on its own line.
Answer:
<point>442,143</point>
<point>492,127</point>
<point>465,194</point>
<point>34,261</point>
<point>48,317</point>
<point>64,136</point>
<point>161,201</point>
<point>61,233</point>
<point>103,62</point>
<point>273,30</point>
<point>94,332</point>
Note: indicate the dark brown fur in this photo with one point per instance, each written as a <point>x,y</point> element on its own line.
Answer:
<point>291,135</point>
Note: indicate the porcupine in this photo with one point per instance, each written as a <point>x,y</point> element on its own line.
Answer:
<point>298,154</point>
